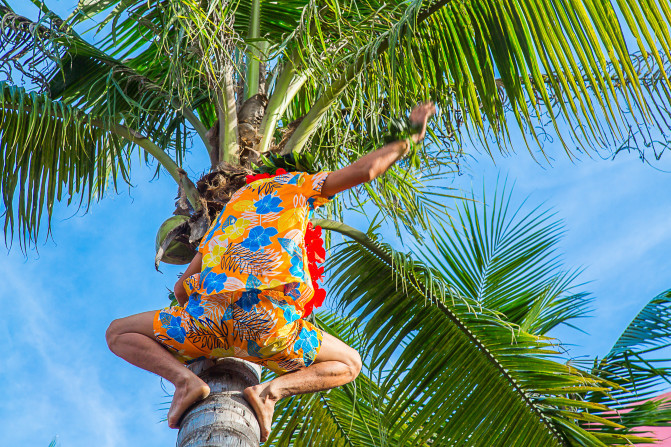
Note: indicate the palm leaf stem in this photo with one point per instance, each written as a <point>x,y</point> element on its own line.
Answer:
<point>287,86</point>
<point>253,64</point>
<point>228,119</point>
<point>342,430</point>
<point>177,173</point>
<point>199,127</point>
<point>374,248</point>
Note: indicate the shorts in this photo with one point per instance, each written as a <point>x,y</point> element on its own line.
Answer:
<point>261,326</point>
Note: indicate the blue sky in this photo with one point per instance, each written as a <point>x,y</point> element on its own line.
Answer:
<point>60,379</point>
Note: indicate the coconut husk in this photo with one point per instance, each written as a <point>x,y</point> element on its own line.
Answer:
<point>217,187</point>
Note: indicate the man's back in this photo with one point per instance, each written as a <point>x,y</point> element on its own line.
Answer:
<point>257,241</point>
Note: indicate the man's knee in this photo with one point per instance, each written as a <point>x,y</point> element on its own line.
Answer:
<point>113,331</point>
<point>354,363</point>
<point>139,324</point>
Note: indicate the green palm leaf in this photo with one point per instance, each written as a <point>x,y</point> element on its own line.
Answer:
<point>277,19</point>
<point>480,60</point>
<point>634,360</point>
<point>442,347</point>
<point>79,74</point>
<point>507,261</point>
<point>71,154</point>
<point>418,357</point>
<point>634,363</point>
<point>52,151</point>
<point>116,90</point>
<point>455,359</point>
<point>343,69</point>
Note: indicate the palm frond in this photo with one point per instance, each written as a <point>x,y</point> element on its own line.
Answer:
<point>650,330</point>
<point>192,44</point>
<point>461,365</point>
<point>407,200</point>
<point>634,362</point>
<point>27,46</point>
<point>551,60</point>
<point>506,261</point>
<point>77,73</point>
<point>277,19</point>
<point>52,151</point>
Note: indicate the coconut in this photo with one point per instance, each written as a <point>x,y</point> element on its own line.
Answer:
<point>179,251</point>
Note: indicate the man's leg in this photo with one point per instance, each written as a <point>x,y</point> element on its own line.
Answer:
<point>132,339</point>
<point>336,364</point>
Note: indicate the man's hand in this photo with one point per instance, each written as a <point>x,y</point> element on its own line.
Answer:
<point>419,115</point>
<point>194,267</point>
<point>372,165</point>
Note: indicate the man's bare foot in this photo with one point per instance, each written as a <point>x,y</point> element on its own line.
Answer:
<point>264,406</point>
<point>193,390</point>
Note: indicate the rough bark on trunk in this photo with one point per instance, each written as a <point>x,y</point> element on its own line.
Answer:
<point>224,419</point>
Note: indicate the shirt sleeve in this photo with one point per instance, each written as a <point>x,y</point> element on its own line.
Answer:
<point>311,187</point>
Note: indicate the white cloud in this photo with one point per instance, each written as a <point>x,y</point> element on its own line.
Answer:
<point>56,375</point>
<point>68,388</point>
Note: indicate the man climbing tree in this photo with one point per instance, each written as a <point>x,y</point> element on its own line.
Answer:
<point>244,293</point>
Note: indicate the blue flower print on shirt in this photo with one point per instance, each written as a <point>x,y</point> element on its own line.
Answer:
<point>253,349</point>
<point>308,342</point>
<point>290,313</point>
<point>194,307</point>
<point>252,282</point>
<point>228,314</point>
<point>213,282</point>
<point>174,325</point>
<point>249,299</point>
<point>297,268</point>
<point>268,204</point>
<point>258,237</point>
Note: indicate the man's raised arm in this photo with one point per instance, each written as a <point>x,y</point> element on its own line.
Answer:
<point>375,163</point>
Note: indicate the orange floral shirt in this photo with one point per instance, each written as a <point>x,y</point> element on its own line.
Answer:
<point>257,241</point>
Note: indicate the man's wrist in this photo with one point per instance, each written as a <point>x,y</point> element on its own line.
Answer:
<point>407,144</point>
<point>401,147</point>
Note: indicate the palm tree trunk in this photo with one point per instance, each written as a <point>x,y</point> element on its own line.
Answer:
<point>224,419</point>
